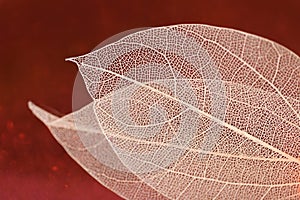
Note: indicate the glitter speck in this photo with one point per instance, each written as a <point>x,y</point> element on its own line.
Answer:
<point>9,125</point>
<point>54,168</point>
<point>21,136</point>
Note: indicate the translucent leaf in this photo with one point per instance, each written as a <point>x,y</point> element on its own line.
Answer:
<point>188,112</point>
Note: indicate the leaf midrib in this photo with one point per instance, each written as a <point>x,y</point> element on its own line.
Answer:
<point>229,126</point>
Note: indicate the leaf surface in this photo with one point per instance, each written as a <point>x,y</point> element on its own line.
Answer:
<point>188,112</point>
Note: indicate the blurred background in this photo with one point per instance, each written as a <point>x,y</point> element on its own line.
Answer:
<point>36,37</point>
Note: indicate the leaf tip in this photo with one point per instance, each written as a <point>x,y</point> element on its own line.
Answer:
<point>73,59</point>
<point>40,113</point>
<point>70,59</point>
<point>30,105</point>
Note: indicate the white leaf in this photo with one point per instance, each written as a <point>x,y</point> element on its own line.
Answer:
<point>188,112</point>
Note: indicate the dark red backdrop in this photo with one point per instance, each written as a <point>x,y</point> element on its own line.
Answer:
<point>35,38</point>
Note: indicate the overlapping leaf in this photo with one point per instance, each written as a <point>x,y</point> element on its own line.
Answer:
<point>188,112</point>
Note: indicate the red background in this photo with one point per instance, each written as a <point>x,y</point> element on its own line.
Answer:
<point>35,38</point>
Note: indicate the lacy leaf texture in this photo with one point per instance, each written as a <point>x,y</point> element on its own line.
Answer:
<point>188,112</point>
